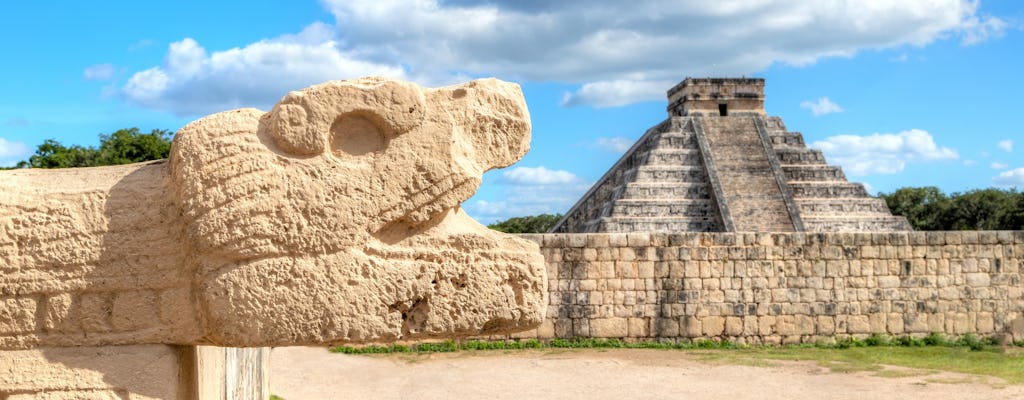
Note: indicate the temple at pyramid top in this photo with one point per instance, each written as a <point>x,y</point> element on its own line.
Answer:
<point>719,163</point>
<point>717,96</point>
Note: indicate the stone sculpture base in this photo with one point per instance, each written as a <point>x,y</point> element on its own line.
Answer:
<point>134,372</point>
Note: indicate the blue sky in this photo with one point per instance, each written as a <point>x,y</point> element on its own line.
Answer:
<point>907,93</point>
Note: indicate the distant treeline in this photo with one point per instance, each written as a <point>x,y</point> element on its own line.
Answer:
<point>125,146</point>
<point>530,224</point>
<point>929,209</point>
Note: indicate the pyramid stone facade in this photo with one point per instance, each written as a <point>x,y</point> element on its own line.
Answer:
<point>720,164</point>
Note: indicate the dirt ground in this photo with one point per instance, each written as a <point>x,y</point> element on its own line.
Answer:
<point>305,373</point>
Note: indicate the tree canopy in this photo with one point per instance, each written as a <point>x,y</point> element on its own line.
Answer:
<point>125,146</point>
<point>928,209</point>
<point>530,224</point>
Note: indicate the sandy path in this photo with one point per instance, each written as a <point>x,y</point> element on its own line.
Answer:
<point>302,373</point>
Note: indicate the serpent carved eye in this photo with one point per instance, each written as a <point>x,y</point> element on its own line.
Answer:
<point>355,134</point>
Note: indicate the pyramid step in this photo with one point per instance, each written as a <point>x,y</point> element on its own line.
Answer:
<point>787,140</point>
<point>666,173</point>
<point>664,208</point>
<point>659,190</point>
<point>855,224</point>
<point>662,156</point>
<point>864,205</point>
<point>658,224</point>
<point>813,173</point>
<point>801,156</point>
<point>774,125</point>
<point>827,190</point>
<point>675,140</point>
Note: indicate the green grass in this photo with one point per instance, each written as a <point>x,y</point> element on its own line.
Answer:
<point>968,354</point>
<point>1006,364</point>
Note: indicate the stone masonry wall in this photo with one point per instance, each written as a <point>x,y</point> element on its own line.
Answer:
<point>782,287</point>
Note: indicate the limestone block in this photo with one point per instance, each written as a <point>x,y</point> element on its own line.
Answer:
<point>690,327</point>
<point>609,327</point>
<point>333,218</point>
<point>714,325</point>
<point>135,372</point>
<point>977,279</point>
<point>733,326</point>
<point>858,324</point>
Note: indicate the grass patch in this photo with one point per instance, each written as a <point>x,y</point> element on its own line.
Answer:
<point>968,354</point>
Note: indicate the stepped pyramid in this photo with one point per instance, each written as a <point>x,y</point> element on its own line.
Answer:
<point>719,164</point>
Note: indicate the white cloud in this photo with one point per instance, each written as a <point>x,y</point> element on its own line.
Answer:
<point>1013,177</point>
<point>538,176</point>
<point>970,163</point>
<point>977,29</point>
<point>617,52</point>
<point>193,81</point>
<point>614,144</point>
<point>998,165</point>
<point>821,107</point>
<point>615,93</point>
<point>529,191</point>
<point>12,152</point>
<point>99,72</point>
<point>1006,145</point>
<point>882,153</point>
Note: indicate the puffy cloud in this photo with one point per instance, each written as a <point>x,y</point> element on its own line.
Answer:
<point>614,144</point>
<point>12,152</point>
<point>618,52</point>
<point>99,72</point>
<point>998,165</point>
<point>194,81</point>
<point>529,191</point>
<point>882,153</point>
<point>977,29</point>
<point>521,201</point>
<point>821,107</point>
<point>538,176</point>
<point>602,44</point>
<point>1013,177</point>
<point>615,93</point>
<point>1006,145</point>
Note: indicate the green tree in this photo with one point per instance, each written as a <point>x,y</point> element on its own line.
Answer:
<point>987,209</point>
<point>52,154</point>
<point>531,224</point>
<point>127,146</point>
<point>124,146</point>
<point>925,207</point>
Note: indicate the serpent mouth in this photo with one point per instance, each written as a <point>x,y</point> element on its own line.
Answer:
<point>424,206</point>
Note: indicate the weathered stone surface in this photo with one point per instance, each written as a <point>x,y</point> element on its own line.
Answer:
<point>135,372</point>
<point>332,218</point>
<point>783,287</point>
